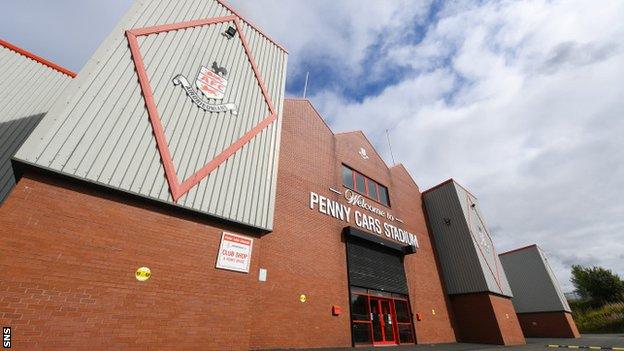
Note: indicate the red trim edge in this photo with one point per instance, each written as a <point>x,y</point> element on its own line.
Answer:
<point>518,249</point>
<point>37,58</point>
<point>251,24</point>
<point>450,180</point>
<point>176,187</point>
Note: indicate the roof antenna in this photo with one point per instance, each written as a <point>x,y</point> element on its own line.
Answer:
<point>305,87</point>
<point>390,147</point>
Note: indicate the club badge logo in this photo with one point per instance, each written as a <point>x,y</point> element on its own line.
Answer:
<point>212,83</point>
<point>363,153</point>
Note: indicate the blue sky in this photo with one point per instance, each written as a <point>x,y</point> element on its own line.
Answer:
<point>520,101</point>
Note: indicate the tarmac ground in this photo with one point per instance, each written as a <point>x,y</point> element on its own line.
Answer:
<point>585,342</point>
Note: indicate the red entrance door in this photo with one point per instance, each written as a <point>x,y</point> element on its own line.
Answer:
<point>383,320</point>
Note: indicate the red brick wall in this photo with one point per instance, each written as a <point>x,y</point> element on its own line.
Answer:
<point>486,318</point>
<point>507,320</point>
<point>306,254</point>
<point>67,274</point>
<point>69,253</point>
<point>548,325</point>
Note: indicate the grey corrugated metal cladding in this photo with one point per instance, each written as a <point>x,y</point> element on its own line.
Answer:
<point>533,282</point>
<point>27,90</point>
<point>193,131</point>
<point>463,242</point>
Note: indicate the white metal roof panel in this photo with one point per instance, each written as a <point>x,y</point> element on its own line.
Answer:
<point>102,131</point>
<point>28,88</point>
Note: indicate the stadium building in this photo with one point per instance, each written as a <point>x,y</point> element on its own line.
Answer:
<point>170,196</point>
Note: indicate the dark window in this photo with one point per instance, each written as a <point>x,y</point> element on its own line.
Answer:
<point>405,333</point>
<point>361,333</point>
<point>402,311</point>
<point>383,195</point>
<point>404,321</point>
<point>372,190</point>
<point>359,308</point>
<point>347,177</point>
<point>365,186</point>
<point>359,183</point>
<point>361,326</point>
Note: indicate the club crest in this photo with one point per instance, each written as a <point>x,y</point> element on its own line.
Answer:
<point>363,153</point>
<point>212,83</point>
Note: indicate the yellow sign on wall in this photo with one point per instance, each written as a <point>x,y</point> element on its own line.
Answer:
<point>142,274</point>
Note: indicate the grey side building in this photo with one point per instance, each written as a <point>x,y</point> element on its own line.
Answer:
<point>29,85</point>
<point>473,275</point>
<point>542,308</point>
<point>467,255</point>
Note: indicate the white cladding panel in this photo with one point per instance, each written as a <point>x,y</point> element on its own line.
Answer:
<point>465,249</point>
<point>27,90</point>
<point>101,132</point>
<point>484,245</point>
<point>533,283</point>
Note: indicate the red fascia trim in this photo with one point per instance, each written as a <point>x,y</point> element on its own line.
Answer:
<point>263,87</point>
<point>37,58</point>
<point>225,154</point>
<point>181,25</point>
<point>154,117</point>
<point>450,180</point>
<point>518,249</point>
<point>251,24</point>
<point>176,187</point>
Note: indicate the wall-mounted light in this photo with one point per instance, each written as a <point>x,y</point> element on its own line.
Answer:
<point>230,32</point>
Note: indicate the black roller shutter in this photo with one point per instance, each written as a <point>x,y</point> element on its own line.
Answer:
<point>374,266</point>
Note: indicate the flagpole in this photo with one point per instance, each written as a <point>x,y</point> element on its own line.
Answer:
<point>390,147</point>
<point>305,86</point>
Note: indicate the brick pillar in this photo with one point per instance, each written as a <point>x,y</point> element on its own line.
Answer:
<point>486,318</point>
<point>548,325</point>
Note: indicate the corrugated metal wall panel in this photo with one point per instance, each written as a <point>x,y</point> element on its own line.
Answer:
<point>555,282</point>
<point>461,269</point>
<point>533,283</point>
<point>27,90</point>
<point>101,131</point>
<point>483,244</point>
<point>469,261</point>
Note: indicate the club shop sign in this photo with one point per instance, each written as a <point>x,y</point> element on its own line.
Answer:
<point>347,213</point>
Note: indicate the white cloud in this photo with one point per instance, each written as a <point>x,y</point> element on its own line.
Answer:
<point>333,33</point>
<point>520,101</point>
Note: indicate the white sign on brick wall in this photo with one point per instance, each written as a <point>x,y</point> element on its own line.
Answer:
<point>235,252</point>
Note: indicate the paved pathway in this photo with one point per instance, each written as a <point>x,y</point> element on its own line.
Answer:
<point>605,341</point>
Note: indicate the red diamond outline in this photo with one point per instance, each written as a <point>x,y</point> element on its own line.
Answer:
<point>177,188</point>
<point>496,276</point>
